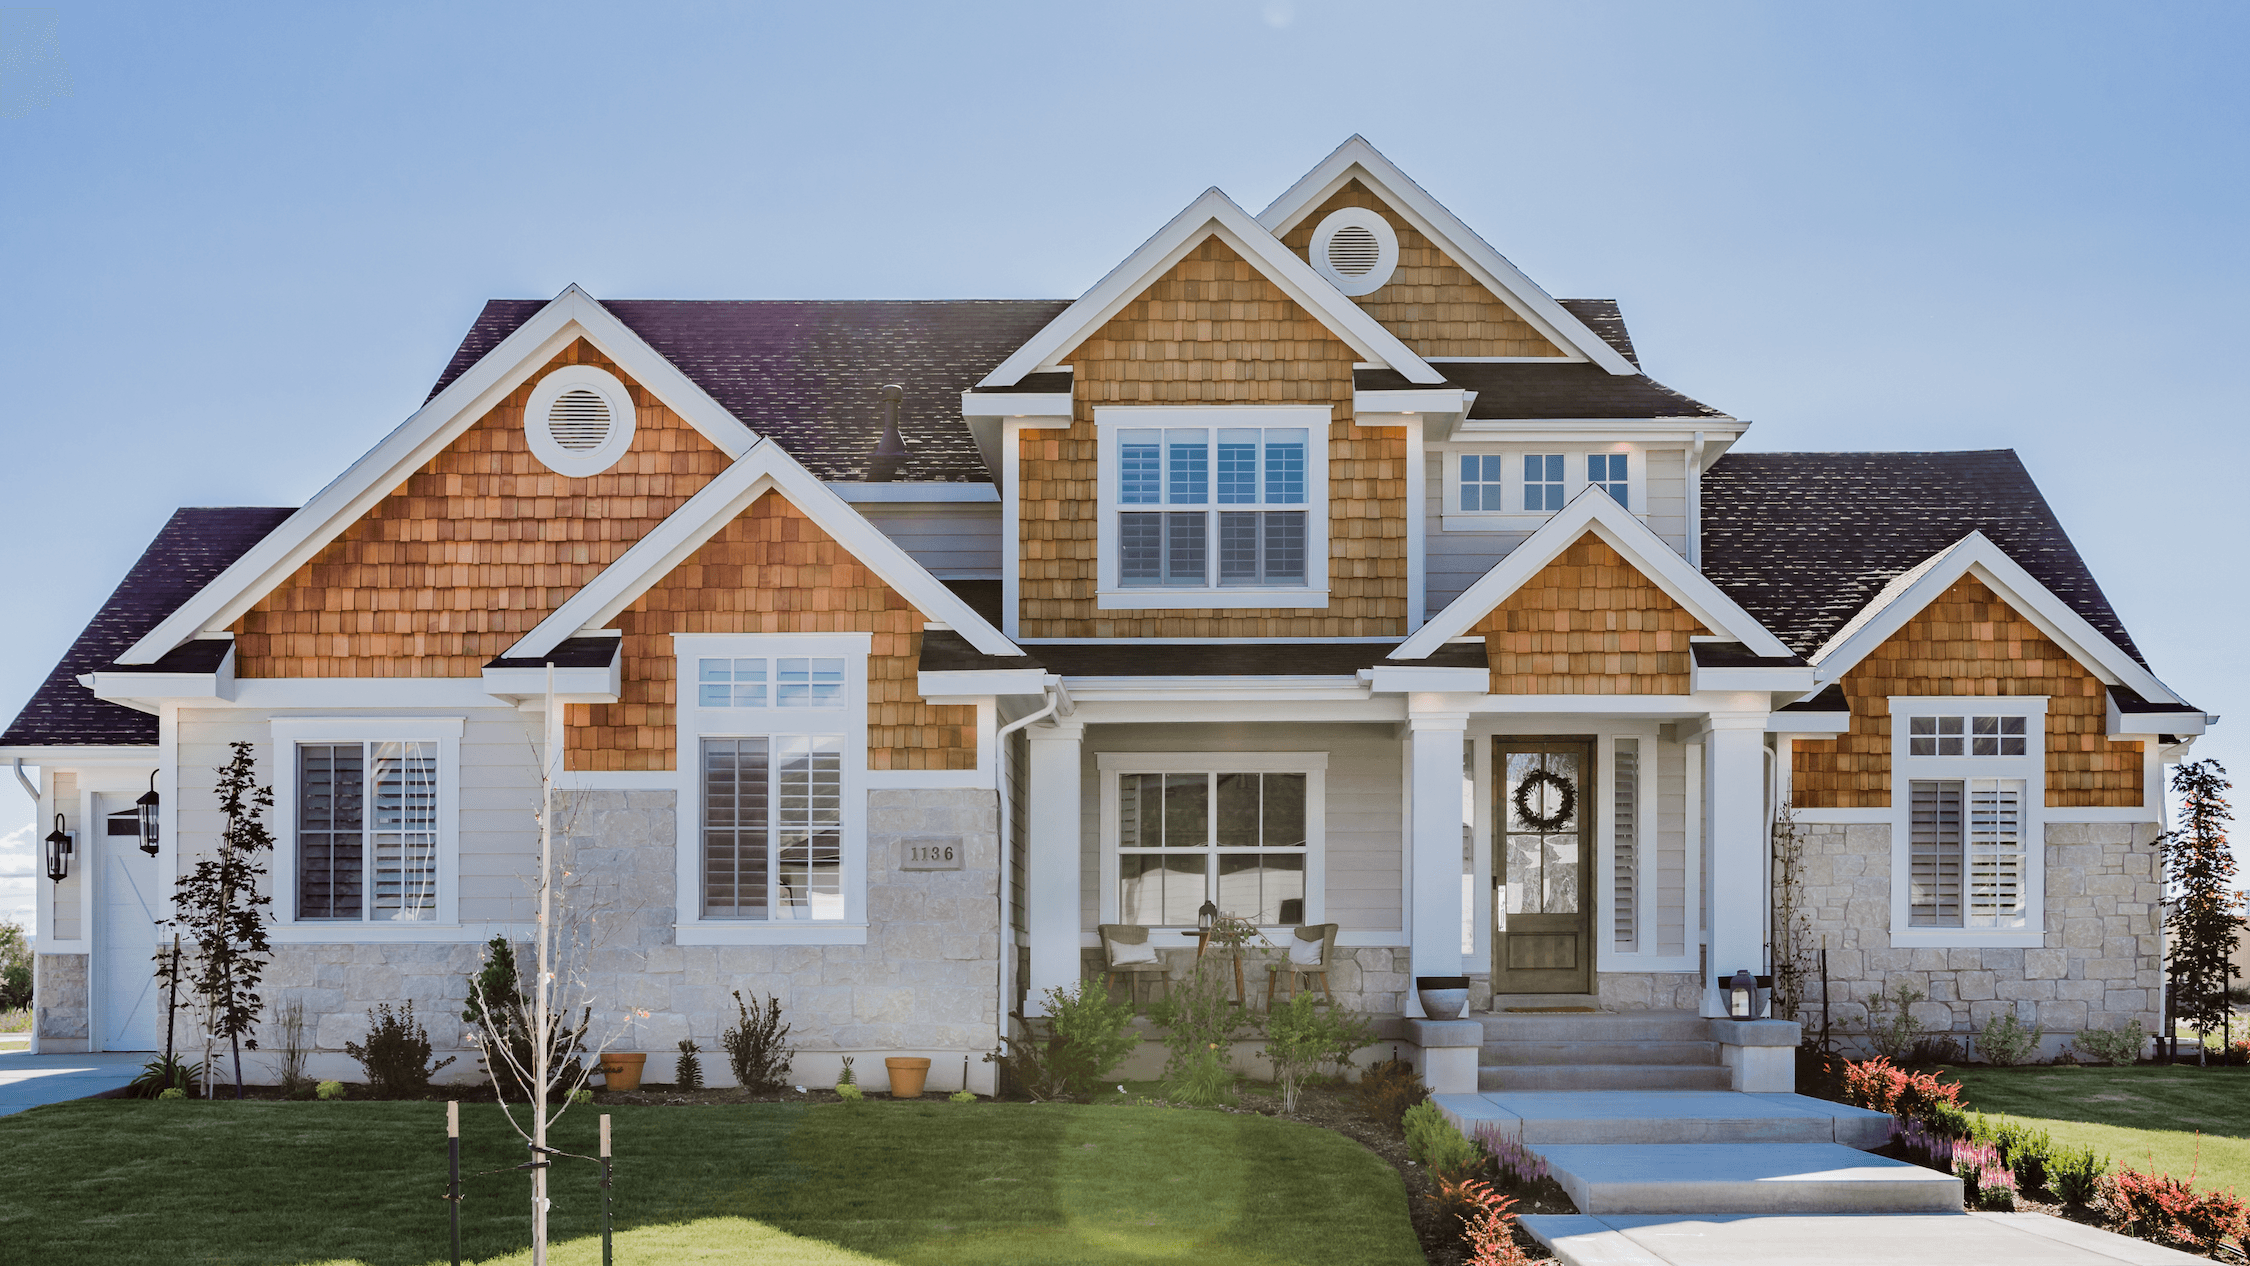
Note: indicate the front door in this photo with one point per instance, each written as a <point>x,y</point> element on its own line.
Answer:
<point>1544,852</point>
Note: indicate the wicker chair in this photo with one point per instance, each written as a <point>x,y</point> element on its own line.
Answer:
<point>1114,934</point>
<point>1325,933</point>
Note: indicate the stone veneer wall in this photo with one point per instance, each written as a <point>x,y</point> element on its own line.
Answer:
<point>1370,979</point>
<point>923,984</point>
<point>2097,969</point>
<point>58,990</point>
<point>1615,991</point>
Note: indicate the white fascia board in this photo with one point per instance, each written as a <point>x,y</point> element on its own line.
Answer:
<point>1715,430</point>
<point>1826,724</point>
<point>1792,681</point>
<point>1385,679</point>
<point>1450,400</point>
<point>1212,214</point>
<point>1356,158</point>
<point>918,493</point>
<point>74,757</point>
<point>1016,404</point>
<point>934,687</point>
<point>765,468</point>
<point>144,690</point>
<point>572,314</point>
<point>2185,721</point>
<point>1594,511</point>
<point>1976,554</point>
<point>571,685</point>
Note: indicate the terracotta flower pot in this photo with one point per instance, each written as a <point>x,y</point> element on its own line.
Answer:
<point>621,1070</point>
<point>907,1075</point>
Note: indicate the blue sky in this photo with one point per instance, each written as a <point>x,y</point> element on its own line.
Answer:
<point>240,249</point>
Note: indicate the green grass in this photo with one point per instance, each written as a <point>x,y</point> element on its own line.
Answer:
<point>2146,1116</point>
<point>123,1182</point>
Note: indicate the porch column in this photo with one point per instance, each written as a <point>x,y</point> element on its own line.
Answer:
<point>1051,859</point>
<point>1735,774</point>
<point>1433,918</point>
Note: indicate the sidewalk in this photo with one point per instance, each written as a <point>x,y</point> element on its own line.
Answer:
<point>28,1081</point>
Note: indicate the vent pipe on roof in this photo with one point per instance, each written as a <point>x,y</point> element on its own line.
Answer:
<point>890,450</point>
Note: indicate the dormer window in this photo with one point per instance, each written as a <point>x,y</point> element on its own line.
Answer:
<point>1494,481</point>
<point>1207,507</point>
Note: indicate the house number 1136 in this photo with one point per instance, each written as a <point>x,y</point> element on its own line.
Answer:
<point>930,853</point>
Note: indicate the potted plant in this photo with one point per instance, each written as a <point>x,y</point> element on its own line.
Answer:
<point>908,1075</point>
<point>621,1070</point>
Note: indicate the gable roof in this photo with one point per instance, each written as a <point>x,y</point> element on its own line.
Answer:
<point>195,545</point>
<point>1355,159</point>
<point>1593,510</point>
<point>1211,215</point>
<point>1805,541</point>
<point>806,372</point>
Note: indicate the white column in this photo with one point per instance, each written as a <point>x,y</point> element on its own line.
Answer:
<point>1734,764</point>
<point>1051,859</point>
<point>1433,917</point>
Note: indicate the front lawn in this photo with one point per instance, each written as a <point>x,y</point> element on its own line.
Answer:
<point>2147,1116</point>
<point>124,1182</point>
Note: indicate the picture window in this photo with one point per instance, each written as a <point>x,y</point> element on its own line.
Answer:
<point>1238,840</point>
<point>1260,473</point>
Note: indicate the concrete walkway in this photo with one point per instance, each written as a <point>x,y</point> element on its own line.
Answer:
<point>1898,1239</point>
<point>28,1081</point>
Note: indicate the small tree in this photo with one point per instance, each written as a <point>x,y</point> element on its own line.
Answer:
<point>15,967</point>
<point>220,909</point>
<point>2206,911</point>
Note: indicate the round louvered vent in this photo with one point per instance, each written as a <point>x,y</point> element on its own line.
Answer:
<point>579,420</point>
<point>1353,250</point>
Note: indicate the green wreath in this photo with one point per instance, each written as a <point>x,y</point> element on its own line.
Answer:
<point>1538,822</point>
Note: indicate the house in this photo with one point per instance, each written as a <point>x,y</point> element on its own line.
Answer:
<point>1316,564</point>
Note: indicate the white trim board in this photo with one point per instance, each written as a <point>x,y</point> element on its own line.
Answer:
<point>1593,510</point>
<point>572,315</point>
<point>1212,214</point>
<point>1356,158</point>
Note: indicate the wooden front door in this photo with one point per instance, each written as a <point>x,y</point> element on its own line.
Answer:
<point>1545,859</point>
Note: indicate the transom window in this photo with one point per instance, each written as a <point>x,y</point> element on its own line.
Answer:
<point>793,683</point>
<point>1238,840</point>
<point>1968,736</point>
<point>367,831</point>
<point>1968,862</point>
<point>1542,482</point>
<point>1243,489</point>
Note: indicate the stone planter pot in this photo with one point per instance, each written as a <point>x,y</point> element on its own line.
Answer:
<point>1443,997</point>
<point>621,1070</point>
<point>907,1076</point>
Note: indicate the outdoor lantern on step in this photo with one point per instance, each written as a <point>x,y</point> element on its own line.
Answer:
<point>1742,995</point>
<point>1206,916</point>
<point>148,804</point>
<point>58,852</point>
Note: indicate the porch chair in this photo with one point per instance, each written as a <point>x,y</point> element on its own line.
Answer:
<point>1126,952</point>
<point>1309,953</point>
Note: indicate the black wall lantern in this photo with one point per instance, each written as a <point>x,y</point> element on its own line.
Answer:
<point>148,803</point>
<point>58,852</point>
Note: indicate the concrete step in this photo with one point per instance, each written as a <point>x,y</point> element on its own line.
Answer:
<point>1611,1026</point>
<point>1626,1051</point>
<point>1769,1178</point>
<point>1682,1116</point>
<point>1898,1239</point>
<point>1602,1077</point>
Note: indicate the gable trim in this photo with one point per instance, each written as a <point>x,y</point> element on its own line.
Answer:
<point>765,468</point>
<point>572,315</point>
<point>1212,214</point>
<point>1976,555</point>
<point>1356,158</point>
<point>1593,510</point>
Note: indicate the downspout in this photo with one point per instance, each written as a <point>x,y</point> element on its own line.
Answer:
<point>1695,503</point>
<point>26,784</point>
<point>1052,689</point>
<point>31,790</point>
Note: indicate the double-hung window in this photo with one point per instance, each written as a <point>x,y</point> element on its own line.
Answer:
<point>773,736</point>
<point>1238,830</point>
<point>1967,787</point>
<point>368,810</point>
<point>1226,501</point>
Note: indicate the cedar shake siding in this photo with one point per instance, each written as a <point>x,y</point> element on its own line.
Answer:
<point>1213,331</point>
<point>1970,643</point>
<point>473,550</point>
<point>1589,624</point>
<point>771,570</point>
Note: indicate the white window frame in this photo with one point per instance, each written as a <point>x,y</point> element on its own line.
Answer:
<point>1313,594</point>
<point>289,733</point>
<point>694,724</point>
<point>1313,765</point>
<point>1513,517</point>
<point>2030,768</point>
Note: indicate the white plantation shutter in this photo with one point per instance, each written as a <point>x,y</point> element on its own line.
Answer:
<point>1626,873</point>
<point>1996,853</point>
<point>1934,839</point>
<point>402,825</point>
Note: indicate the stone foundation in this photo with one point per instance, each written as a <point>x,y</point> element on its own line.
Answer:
<point>58,993</point>
<point>1369,979</point>
<point>2098,967</point>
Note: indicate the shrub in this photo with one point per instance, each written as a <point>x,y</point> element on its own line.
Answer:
<point>1971,1162</point>
<point>1486,1223</point>
<point>396,1057</point>
<point>502,1012</point>
<point>1877,1083</point>
<point>757,1046</point>
<point>1431,1140</point>
<point>962,1096</point>
<point>582,1096</point>
<point>1517,1165</point>
<point>2119,1046</point>
<point>1388,1089</point>
<point>1925,1144</point>
<point>2006,1041</point>
<point>289,1023</point>
<point>1198,1015</point>
<point>687,1070</point>
<point>2024,1151</point>
<point>2076,1174</point>
<point>15,967</point>
<point>168,1072</point>
<point>1891,1026</point>
<point>850,1093</point>
<point>1206,1082</point>
<point>1074,1048</point>
<point>1996,1190</point>
<point>329,1090</point>
<point>2162,1208</point>
<point>846,1077</point>
<point>1300,1037</point>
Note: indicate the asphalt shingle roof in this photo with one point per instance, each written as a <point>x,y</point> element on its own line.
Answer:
<point>1804,540</point>
<point>807,372</point>
<point>193,548</point>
